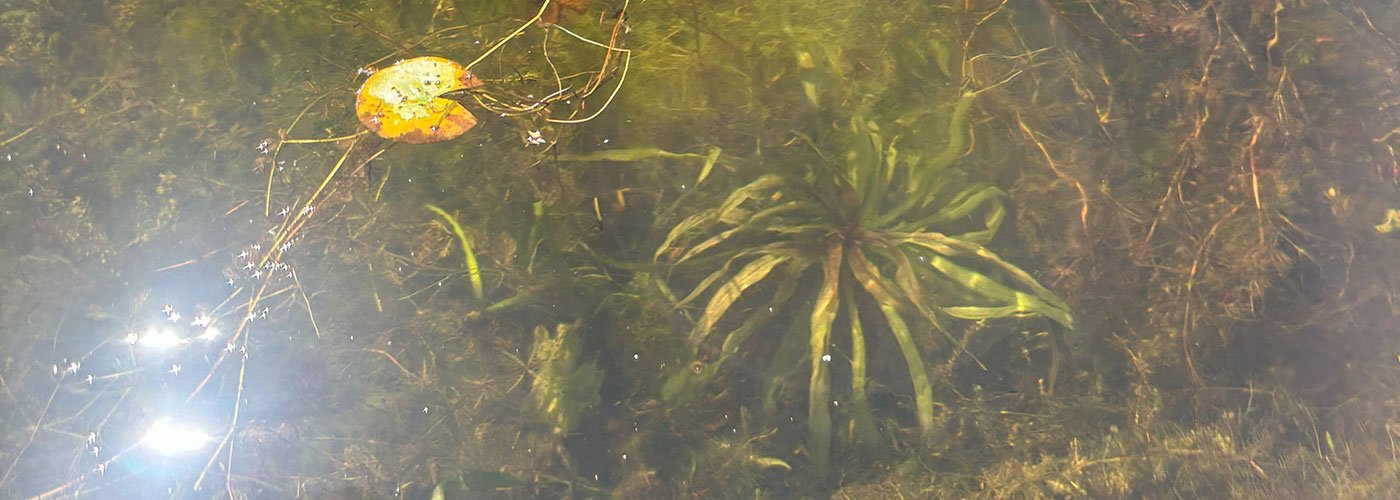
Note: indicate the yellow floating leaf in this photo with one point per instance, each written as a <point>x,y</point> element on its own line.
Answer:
<point>404,102</point>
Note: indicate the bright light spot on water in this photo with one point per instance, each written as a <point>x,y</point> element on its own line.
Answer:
<point>161,338</point>
<point>202,320</point>
<point>210,333</point>
<point>169,438</point>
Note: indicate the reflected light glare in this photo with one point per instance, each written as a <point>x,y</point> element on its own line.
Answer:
<point>168,438</point>
<point>210,333</point>
<point>202,320</point>
<point>161,338</point>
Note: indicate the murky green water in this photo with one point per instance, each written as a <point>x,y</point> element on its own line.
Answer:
<point>723,249</point>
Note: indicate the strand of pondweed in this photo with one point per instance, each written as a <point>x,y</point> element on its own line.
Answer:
<point>468,256</point>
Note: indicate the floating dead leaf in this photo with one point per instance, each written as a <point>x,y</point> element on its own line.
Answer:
<point>404,102</point>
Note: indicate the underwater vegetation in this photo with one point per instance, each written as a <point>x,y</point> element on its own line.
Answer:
<point>899,229</point>
<point>563,388</point>
<point>703,249</point>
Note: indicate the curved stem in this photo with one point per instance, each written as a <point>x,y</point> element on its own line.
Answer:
<point>468,256</point>
<point>543,6</point>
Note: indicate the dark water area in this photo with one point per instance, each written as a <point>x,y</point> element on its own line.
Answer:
<point>686,249</point>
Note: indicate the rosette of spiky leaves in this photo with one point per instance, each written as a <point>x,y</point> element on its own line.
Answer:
<point>900,227</point>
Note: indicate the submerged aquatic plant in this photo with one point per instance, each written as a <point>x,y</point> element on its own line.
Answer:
<point>900,229</point>
<point>565,389</point>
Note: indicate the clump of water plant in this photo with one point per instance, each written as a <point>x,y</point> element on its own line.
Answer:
<point>565,389</point>
<point>890,223</point>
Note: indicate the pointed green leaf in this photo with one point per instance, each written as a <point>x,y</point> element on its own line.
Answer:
<point>998,293</point>
<point>751,191</point>
<point>870,279</point>
<point>731,290</point>
<point>862,419</point>
<point>629,155</point>
<point>954,247</point>
<point>823,315</point>
<point>710,160</point>
<point>683,227</point>
<point>759,221</point>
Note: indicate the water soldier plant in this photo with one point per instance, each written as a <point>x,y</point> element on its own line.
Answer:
<point>886,225</point>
